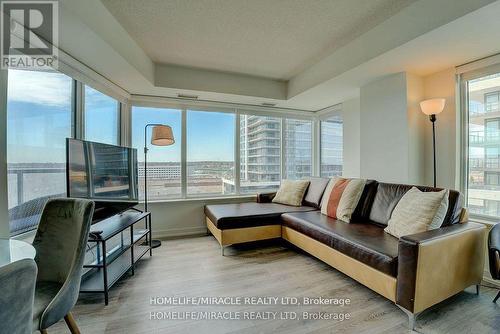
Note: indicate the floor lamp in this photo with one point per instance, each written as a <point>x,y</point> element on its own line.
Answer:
<point>431,108</point>
<point>162,136</point>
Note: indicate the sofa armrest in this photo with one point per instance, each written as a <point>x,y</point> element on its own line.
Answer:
<point>437,264</point>
<point>265,197</point>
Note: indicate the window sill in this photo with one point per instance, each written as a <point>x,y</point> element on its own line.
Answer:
<point>201,199</point>
<point>482,220</point>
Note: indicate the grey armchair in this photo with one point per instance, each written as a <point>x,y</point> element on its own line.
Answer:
<point>60,249</point>
<point>17,283</point>
<point>494,254</point>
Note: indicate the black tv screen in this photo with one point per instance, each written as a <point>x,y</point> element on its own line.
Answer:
<point>104,173</point>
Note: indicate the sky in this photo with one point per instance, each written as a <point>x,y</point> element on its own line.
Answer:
<point>210,136</point>
<point>39,120</point>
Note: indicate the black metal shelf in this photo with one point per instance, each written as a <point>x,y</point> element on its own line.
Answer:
<point>109,267</point>
<point>138,234</point>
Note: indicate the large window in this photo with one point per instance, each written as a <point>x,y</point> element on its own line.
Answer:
<point>39,119</point>
<point>331,147</point>
<point>210,153</point>
<point>483,125</point>
<point>260,153</point>
<point>164,162</point>
<point>298,148</point>
<point>102,117</point>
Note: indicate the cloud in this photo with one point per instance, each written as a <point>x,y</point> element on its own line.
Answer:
<point>49,88</point>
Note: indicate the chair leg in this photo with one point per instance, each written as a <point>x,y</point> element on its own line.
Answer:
<point>496,298</point>
<point>70,321</point>
<point>477,289</point>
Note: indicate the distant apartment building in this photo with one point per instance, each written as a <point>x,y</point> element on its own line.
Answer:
<point>484,146</point>
<point>161,170</point>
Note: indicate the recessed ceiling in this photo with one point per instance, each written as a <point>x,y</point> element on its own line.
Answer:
<point>268,38</point>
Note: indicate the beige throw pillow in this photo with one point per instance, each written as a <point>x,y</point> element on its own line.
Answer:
<point>291,192</point>
<point>418,211</point>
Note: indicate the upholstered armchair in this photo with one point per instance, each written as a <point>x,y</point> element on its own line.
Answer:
<point>17,282</point>
<point>60,249</point>
<point>494,254</point>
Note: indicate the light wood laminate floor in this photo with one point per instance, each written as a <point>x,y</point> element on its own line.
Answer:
<point>194,267</point>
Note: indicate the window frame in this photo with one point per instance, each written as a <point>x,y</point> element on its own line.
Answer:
<point>325,118</point>
<point>238,110</point>
<point>465,74</point>
<point>80,126</point>
<point>77,101</point>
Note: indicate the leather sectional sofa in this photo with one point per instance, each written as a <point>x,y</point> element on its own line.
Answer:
<point>415,272</point>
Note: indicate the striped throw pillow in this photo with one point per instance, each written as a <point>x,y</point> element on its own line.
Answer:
<point>341,197</point>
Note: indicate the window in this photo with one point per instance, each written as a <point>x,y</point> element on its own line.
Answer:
<point>298,148</point>
<point>39,119</point>
<point>164,162</point>
<point>260,153</point>
<point>102,117</point>
<point>491,101</point>
<point>483,168</point>
<point>210,153</point>
<point>331,147</point>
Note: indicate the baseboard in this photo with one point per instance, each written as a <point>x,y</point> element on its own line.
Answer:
<point>172,233</point>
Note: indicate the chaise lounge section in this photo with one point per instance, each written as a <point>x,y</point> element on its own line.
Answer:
<point>415,271</point>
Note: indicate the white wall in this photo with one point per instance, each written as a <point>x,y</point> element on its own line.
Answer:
<point>384,137</point>
<point>443,85</point>
<point>4,215</point>
<point>391,135</point>
<point>351,138</point>
<point>416,122</point>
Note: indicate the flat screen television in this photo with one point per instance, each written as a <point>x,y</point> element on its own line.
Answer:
<point>106,174</point>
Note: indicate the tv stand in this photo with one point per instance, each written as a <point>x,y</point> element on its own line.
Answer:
<point>118,245</point>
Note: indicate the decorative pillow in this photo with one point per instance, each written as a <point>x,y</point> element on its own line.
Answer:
<point>315,191</point>
<point>291,192</point>
<point>418,211</point>
<point>341,197</point>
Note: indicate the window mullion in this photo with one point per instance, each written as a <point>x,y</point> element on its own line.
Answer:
<point>184,153</point>
<point>237,165</point>
<point>283,150</point>
<point>315,146</point>
<point>79,102</point>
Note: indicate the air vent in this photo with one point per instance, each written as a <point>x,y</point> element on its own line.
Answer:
<point>185,96</point>
<point>268,104</point>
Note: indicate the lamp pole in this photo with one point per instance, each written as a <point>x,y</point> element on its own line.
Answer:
<point>431,108</point>
<point>155,243</point>
<point>433,120</point>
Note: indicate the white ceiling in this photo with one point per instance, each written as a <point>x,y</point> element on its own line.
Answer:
<point>273,39</point>
<point>424,37</point>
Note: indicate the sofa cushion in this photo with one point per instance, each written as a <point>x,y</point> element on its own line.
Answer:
<point>315,191</point>
<point>291,192</point>
<point>364,242</point>
<point>227,216</point>
<point>388,195</point>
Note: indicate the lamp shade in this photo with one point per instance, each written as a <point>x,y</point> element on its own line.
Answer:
<point>432,106</point>
<point>162,135</point>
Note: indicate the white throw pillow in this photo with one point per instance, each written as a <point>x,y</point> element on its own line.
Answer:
<point>291,192</point>
<point>418,211</point>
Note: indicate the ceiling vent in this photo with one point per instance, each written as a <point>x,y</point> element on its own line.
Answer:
<point>268,104</point>
<point>186,96</point>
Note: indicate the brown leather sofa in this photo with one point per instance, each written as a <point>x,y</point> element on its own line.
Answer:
<point>415,272</point>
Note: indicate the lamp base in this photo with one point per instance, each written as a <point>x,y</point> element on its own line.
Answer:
<point>154,243</point>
